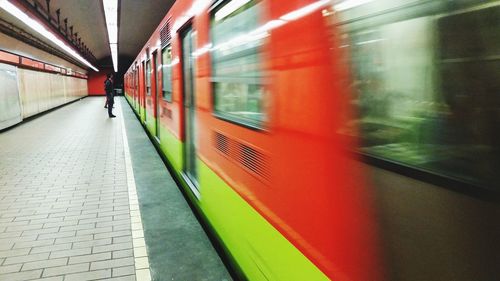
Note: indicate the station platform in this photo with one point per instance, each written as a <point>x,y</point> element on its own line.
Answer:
<point>87,197</point>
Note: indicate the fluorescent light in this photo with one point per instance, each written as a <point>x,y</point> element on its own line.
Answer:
<point>111,15</point>
<point>229,8</point>
<point>349,4</point>
<point>304,10</point>
<point>114,55</point>
<point>113,34</point>
<point>36,26</point>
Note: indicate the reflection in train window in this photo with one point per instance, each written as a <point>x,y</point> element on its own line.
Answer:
<point>236,58</point>
<point>425,84</point>
<point>148,77</point>
<point>166,68</point>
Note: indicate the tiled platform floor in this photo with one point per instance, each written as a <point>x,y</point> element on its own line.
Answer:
<point>64,198</point>
<point>72,193</point>
<point>64,202</point>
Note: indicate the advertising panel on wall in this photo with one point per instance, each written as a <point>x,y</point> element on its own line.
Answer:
<point>10,107</point>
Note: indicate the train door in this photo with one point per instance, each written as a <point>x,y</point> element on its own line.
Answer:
<point>156,96</point>
<point>188,71</point>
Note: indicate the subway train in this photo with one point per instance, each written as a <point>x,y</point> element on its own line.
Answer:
<point>333,140</point>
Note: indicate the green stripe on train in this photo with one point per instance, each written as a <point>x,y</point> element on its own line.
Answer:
<point>137,108</point>
<point>150,123</point>
<point>261,251</point>
<point>173,149</point>
<point>143,113</point>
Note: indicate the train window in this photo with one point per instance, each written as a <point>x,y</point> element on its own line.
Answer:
<point>148,77</point>
<point>136,72</point>
<point>236,63</point>
<point>425,82</point>
<point>166,68</point>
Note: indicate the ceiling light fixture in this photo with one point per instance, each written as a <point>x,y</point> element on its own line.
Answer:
<point>38,27</point>
<point>111,15</point>
<point>114,55</point>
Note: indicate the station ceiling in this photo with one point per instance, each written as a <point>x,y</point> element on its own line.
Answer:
<point>137,21</point>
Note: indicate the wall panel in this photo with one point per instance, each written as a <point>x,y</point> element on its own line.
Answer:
<point>10,106</point>
<point>41,91</point>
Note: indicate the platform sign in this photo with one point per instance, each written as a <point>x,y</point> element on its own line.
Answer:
<point>10,107</point>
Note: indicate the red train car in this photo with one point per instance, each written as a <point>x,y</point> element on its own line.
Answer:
<point>253,104</point>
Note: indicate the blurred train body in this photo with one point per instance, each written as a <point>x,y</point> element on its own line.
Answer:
<point>266,110</point>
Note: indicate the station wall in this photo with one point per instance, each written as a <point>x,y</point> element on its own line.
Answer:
<point>34,81</point>
<point>95,82</point>
<point>41,91</point>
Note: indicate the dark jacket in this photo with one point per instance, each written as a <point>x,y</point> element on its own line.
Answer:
<point>108,86</point>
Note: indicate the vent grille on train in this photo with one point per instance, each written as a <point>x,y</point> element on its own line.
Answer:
<point>222,143</point>
<point>247,157</point>
<point>253,160</point>
<point>165,34</point>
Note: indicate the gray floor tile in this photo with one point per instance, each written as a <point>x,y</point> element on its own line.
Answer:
<point>61,177</point>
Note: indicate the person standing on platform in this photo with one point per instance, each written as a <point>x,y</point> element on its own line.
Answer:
<point>108,86</point>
